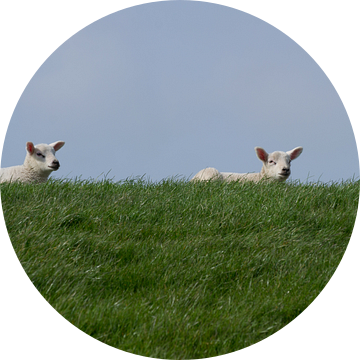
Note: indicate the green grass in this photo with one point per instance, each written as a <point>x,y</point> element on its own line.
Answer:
<point>176,269</point>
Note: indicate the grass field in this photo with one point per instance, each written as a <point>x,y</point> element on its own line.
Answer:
<point>175,269</point>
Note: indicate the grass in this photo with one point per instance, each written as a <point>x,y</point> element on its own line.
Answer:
<point>175,269</point>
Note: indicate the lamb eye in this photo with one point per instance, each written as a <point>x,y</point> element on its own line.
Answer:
<point>40,154</point>
<point>272,162</point>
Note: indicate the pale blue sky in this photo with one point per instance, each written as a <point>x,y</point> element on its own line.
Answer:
<point>169,88</point>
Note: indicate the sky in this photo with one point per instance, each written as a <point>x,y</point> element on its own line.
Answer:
<point>166,89</point>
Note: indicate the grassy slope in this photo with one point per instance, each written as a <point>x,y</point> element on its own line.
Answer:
<point>175,269</point>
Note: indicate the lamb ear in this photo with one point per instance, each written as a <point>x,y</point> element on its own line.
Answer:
<point>295,152</point>
<point>58,145</point>
<point>30,148</point>
<point>261,154</point>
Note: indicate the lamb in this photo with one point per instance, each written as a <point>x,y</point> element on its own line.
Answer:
<point>276,167</point>
<point>39,162</point>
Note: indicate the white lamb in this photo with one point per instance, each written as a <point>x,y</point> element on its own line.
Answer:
<point>39,162</point>
<point>276,167</point>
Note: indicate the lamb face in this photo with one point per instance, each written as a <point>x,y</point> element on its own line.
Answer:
<point>276,165</point>
<point>41,158</point>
